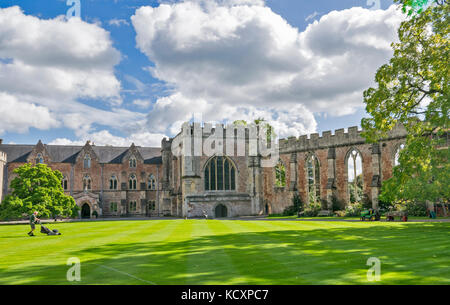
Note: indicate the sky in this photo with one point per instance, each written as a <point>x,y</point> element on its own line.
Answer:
<point>133,71</point>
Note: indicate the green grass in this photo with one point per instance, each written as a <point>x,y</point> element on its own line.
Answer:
<point>227,252</point>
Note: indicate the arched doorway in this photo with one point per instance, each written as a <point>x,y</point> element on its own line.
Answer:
<point>85,211</point>
<point>221,211</point>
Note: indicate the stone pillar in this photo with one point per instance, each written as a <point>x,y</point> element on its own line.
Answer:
<point>256,185</point>
<point>293,173</point>
<point>376,178</point>
<point>331,177</point>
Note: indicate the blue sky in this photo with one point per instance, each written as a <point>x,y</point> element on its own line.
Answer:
<point>151,83</point>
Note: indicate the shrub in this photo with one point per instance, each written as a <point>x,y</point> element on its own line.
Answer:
<point>413,208</point>
<point>336,204</point>
<point>312,210</point>
<point>353,209</point>
<point>297,206</point>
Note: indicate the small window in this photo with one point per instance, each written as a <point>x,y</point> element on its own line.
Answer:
<point>133,162</point>
<point>132,182</point>
<point>87,184</point>
<point>113,207</point>
<point>65,183</point>
<point>113,183</point>
<point>39,159</point>
<point>151,183</point>
<point>87,161</point>
<point>132,206</point>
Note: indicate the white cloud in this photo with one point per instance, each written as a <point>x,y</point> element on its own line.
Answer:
<point>47,66</point>
<point>118,22</point>
<point>19,116</point>
<point>142,103</point>
<point>228,60</point>
<point>104,137</point>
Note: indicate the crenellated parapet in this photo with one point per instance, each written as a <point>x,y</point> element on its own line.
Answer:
<point>328,139</point>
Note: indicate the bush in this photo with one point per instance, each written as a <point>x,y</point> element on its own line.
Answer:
<point>353,209</point>
<point>297,206</point>
<point>336,204</point>
<point>415,208</point>
<point>312,210</point>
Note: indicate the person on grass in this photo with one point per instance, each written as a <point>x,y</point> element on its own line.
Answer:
<point>33,221</point>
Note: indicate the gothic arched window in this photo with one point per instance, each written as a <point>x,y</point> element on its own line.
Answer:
<point>87,161</point>
<point>133,162</point>
<point>280,174</point>
<point>151,182</point>
<point>87,184</point>
<point>132,182</point>
<point>397,154</point>
<point>220,174</point>
<point>355,176</point>
<point>313,175</point>
<point>39,159</point>
<point>113,183</point>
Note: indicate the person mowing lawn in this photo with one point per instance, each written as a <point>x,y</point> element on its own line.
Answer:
<point>33,221</point>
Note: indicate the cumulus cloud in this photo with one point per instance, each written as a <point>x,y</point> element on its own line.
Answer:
<point>105,138</point>
<point>19,116</point>
<point>234,59</point>
<point>51,64</point>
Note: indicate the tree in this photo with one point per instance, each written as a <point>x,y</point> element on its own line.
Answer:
<point>413,90</point>
<point>268,129</point>
<point>417,6</point>
<point>37,188</point>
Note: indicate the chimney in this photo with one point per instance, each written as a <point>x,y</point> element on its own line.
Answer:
<point>1,141</point>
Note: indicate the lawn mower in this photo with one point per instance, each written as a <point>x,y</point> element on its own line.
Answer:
<point>370,214</point>
<point>45,230</point>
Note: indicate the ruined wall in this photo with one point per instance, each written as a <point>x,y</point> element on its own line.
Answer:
<point>332,151</point>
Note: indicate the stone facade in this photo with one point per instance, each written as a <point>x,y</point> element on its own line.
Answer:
<point>227,183</point>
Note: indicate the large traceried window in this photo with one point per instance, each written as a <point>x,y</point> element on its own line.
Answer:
<point>132,182</point>
<point>113,183</point>
<point>280,174</point>
<point>397,154</point>
<point>151,182</point>
<point>87,183</point>
<point>220,175</point>
<point>87,161</point>
<point>355,176</point>
<point>313,176</point>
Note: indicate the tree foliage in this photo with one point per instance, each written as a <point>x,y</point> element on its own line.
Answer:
<point>412,7</point>
<point>413,91</point>
<point>37,188</point>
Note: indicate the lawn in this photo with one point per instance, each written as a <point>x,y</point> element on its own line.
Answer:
<point>227,252</point>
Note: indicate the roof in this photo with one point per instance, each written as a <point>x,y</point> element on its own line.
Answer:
<point>68,154</point>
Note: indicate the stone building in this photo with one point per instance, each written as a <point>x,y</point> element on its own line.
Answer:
<point>181,179</point>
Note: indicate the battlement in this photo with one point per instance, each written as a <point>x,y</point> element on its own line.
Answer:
<point>328,139</point>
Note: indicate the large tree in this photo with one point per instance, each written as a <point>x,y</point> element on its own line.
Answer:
<point>37,188</point>
<point>413,90</point>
